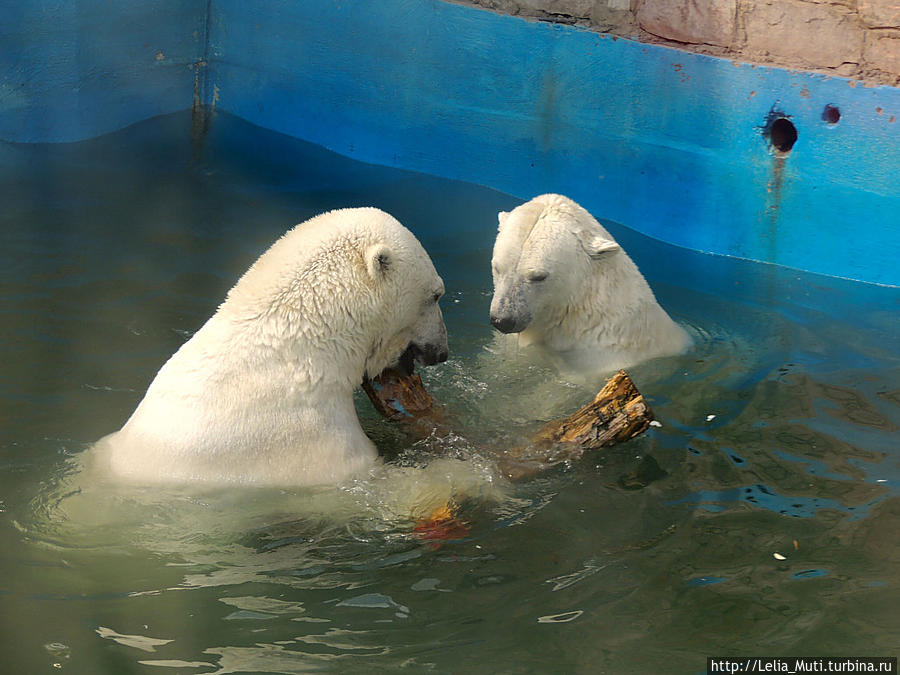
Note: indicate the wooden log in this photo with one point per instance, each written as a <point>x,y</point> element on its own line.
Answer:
<point>617,413</point>
<point>399,397</point>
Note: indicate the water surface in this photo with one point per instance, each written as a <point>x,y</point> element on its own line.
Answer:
<point>778,436</point>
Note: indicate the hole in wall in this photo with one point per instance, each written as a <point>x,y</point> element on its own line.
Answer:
<point>831,114</point>
<point>782,134</point>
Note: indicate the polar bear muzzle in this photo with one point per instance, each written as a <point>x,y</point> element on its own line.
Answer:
<point>510,309</point>
<point>426,353</point>
<point>429,354</point>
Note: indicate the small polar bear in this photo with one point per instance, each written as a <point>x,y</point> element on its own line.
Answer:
<point>563,283</point>
<point>263,393</point>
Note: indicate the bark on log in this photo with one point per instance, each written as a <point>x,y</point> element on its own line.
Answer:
<point>399,397</point>
<point>616,414</point>
<point>403,399</point>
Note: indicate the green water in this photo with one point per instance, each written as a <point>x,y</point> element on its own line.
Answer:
<point>779,435</point>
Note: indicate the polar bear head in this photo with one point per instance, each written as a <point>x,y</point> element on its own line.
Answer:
<point>562,281</point>
<point>545,253</point>
<point>405,292</point>
<point>352,290</point>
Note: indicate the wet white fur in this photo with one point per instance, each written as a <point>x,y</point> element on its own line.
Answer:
<point>594,308</point>
<point>262,393</point>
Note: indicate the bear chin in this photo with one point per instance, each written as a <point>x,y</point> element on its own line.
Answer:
<point>406,364</point>
<point>425,356</point>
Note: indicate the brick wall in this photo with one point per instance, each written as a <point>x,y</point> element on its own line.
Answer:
<point>851,38</point>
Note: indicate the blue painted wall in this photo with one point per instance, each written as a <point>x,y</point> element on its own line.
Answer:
<point>667,143</point>
<point>73,69</point>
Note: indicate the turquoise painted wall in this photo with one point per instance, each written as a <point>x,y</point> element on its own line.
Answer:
<point>74,69</point>
<point>665,142</point>
<point>668,143</point>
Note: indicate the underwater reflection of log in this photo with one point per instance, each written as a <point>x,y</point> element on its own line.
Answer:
<point>617,413</point>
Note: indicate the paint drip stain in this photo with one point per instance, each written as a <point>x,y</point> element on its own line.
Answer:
<point>775,189</point>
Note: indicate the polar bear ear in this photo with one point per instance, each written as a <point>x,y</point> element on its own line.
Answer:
<point>501,219</point>
<point>597,246</point>
<point>378,260</point>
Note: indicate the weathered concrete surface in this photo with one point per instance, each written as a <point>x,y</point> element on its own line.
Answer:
<point>694,21</point>
<point>882,51</point>
<point>850,38</point>
<point>601,15</point>
<point>880,13</point>
<point>813,35</point>
<point>575,8</point>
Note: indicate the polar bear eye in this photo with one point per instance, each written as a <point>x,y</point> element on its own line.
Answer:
<point>536,276</point>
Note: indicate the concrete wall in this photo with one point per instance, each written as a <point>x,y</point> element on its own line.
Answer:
<point>678,146</point>
<point>850,38</point>
<point>75,69</point>
<point>674,145</point>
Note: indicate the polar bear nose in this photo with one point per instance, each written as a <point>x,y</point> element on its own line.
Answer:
<point>427,354</point>
<point>505,324</point>
<point>432,354</point>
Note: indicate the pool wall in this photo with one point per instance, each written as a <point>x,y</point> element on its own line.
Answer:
<point>80,68</point>
<point>672,144</point>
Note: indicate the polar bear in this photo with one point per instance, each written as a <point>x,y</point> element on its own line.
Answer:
<point>263,393</point>
<point>563,283</point>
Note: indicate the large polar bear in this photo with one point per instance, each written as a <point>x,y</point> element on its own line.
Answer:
<point>263,392</point>
<point>563,283</point>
